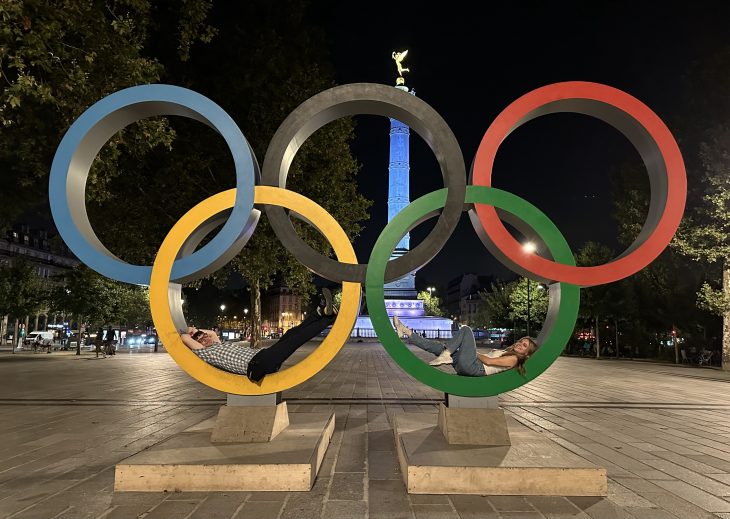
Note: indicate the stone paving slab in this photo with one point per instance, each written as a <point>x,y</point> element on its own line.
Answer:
<point>663,433</point>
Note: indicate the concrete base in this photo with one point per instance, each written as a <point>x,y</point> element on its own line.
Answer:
<point>531,466</point>
<point>190,462</point>
<point>476,426</point>
<point>237,424</point>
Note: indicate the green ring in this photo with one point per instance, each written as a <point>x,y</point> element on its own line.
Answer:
<point>490,385</point>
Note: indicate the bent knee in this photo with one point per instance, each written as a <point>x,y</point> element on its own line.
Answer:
<point>466,330</point>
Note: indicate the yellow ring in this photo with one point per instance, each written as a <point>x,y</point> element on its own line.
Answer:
<point>230,382</point>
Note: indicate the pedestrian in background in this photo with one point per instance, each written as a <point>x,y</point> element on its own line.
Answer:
<point>99,344</point>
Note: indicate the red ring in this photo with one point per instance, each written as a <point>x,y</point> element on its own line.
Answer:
<point>519,112</point>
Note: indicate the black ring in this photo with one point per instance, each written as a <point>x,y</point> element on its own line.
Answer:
<point>375,99</point>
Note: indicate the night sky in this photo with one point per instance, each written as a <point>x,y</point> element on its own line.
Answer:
<point>469,65</point>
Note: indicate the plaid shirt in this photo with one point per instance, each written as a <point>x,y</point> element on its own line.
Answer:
<point>232,357</point>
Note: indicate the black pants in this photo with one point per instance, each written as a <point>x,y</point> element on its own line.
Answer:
<point>270,359</point>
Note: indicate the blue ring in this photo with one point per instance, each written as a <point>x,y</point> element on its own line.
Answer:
<point>93,129</point>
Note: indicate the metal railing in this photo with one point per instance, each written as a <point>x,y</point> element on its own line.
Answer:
<point>369,333</point>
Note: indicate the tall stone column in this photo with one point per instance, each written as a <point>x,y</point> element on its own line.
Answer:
<point>399,197</point>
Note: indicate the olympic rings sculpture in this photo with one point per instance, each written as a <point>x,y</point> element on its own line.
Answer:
<point>178,261</point>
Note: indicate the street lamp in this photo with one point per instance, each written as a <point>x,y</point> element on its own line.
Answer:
<point>431,290</point>
<point>529,248</point>
<point>222,316</point>
<point>245,322</point>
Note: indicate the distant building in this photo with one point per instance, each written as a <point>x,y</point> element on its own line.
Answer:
<point>33,245</point>
<point>462,296</point>
<point>281,309</point>
<point>469,307</point>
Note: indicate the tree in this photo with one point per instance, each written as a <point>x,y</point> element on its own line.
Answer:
<point>431,303</point>
<point>495,310</point>
<point>94,299</point>
<point>705,233</point>
<point>657,299</point>
<point>595,302</point>
<point>538,301</point>
<point>291,65</point>
<point>59,57</point>
<point>22,291</point>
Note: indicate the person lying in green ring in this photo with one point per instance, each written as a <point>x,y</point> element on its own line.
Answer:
<point>461,351</point>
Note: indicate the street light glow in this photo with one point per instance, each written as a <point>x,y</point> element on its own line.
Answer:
<point>529,247</point>
<point>223,307</point>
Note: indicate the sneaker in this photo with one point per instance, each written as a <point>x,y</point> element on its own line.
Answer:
<point>401,328</point>
<point>443,358</point>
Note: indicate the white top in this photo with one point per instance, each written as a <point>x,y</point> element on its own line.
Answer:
<point>491,370</point>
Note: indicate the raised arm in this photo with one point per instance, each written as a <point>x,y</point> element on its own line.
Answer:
<point>190,342</point>
<point>509,361</point>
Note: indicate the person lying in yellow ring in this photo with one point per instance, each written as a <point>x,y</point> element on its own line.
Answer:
<point>257,363</point>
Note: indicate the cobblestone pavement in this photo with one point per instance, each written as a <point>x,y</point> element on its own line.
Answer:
<point>663,433</point>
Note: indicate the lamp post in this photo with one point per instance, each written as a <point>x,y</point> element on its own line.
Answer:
<point>528,307</point>
<point>529,248</point>
<point>245,321</point>
<point>431,290</point>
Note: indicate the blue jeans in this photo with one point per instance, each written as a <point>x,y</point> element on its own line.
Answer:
<point>463,349</point>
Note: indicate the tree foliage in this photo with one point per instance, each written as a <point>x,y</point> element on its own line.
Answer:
<point>705,232</point>
<point>56,59</point>
<point>59,57</point>
<point>431,303</point>
<point>284,64</point>
<point>596,301</point>
<point>538,301</point>
<point>98,300</point>
<point>22,291</point>
<point>495,310</point>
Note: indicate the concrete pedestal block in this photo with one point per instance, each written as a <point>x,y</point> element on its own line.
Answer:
<point>473,426</point>
<point>190,462</point>
<point>237,424</point>
<point>531,466</point>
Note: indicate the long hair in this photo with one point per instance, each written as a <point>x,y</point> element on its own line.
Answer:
<point>521,359</point>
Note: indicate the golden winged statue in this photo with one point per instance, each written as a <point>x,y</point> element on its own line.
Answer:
<point>399,57</point>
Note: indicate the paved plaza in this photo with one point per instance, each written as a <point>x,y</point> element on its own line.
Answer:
<point>663,433</point>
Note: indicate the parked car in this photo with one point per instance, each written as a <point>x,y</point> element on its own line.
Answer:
<point>44,338</point>
<point>134,340</point>
<point>480,334</point>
